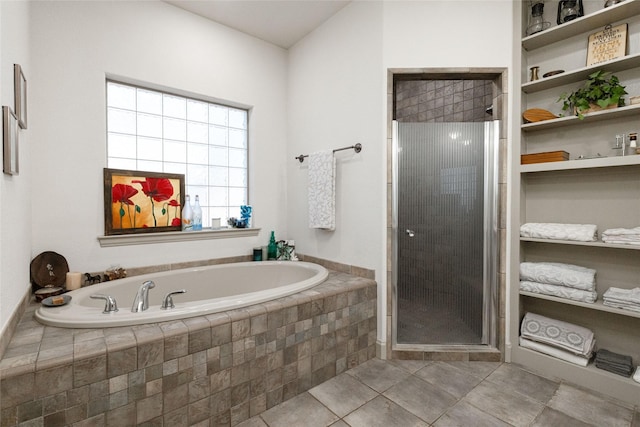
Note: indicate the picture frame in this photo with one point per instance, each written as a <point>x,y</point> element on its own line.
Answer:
<point>607,44</point>
<point>142,202</point>
<point>20,95</point>
<point>10,142</point>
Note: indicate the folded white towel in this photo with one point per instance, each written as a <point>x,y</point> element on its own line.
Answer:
<point>554,273</point>
<point>322,186</point>
<point>559,291</point>
<point>621,232</point>
<point>636,376</point>
<point>622,305</point>
<point>577,232</point>
<point>624,295</point>
<point>555,352</point>
<point>622,240</point>
<point>566,336</point>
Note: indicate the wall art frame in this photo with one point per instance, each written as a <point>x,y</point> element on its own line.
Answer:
<point>20,95</point>
<point>142,202</point>
<point>10,142</point>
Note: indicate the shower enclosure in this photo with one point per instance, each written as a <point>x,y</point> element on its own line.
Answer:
<point>445,234</point>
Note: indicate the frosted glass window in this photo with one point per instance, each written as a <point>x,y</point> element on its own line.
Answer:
<point>175,151</point>
<point>197,132</point>
<point>218,176</point>
<point>218,156</point>
<point>237,138</point>
<point>121,145</point>
<point>149,125</point>
<point>197,154</point>
<point>237,177</point>
<point>237,118</point>
<point>219,115</point>
<point>218,135</point>
<point>197,111</point>
<point>149,102</point>
<point>149,130</point>
<point>121,96</point>
<point>149,148</point>
<point>174,106</point>
<point>175,129</point>
<point>238,158</point>
<point>121,121</point>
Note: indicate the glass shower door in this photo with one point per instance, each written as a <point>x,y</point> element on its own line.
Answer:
<point>445,228</point>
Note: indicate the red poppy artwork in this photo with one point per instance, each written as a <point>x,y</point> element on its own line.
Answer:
<point>142,202</point>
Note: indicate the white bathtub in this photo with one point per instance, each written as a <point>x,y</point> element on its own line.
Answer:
<point>209,290</point>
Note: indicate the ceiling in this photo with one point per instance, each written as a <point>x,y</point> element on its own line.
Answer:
<point>281,22</point>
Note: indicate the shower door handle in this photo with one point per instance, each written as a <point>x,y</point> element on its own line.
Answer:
<point>411,233</point>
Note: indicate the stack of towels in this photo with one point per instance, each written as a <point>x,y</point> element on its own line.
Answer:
<point>560,280</point>
<point>627,299</point>
<point>614,362</point>
<point>547,230</point>
<point>625,236</point>
<point>556,338</point>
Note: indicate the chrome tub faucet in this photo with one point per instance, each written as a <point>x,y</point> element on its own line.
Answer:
<point>167,302</point>
<point>141,301</point>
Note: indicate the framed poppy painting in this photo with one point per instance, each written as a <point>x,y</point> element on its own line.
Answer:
<point>142,202</point>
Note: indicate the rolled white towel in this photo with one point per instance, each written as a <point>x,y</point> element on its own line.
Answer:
<point>567,336</point>
<point>575,232</point>
<point>555,273</point>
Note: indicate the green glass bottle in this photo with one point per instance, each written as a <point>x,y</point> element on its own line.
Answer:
<point>272,249</point>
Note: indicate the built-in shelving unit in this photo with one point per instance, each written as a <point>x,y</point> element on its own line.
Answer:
<point>602,190</point>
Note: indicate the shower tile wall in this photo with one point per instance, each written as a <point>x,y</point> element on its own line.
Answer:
<point>428,101</point>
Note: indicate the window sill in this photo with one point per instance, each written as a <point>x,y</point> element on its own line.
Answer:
<point>175,236</point>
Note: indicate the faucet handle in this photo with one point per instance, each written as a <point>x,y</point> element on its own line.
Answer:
<point>110,304</point>
<point>167,301</point>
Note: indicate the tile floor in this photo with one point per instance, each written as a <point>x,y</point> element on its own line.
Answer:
<point>421,393</point>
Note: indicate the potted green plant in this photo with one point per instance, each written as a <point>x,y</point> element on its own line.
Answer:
<point>602,90</point>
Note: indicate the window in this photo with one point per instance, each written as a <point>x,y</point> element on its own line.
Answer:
<point>148,130</point>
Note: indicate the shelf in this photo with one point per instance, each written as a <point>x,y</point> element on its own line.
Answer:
<point>617,386</point>
<point>616,113</point>
<point>576,243</point>
<point>175,236</point>
<point>602,162</point>
<point>603,17</point>
<point>615,65</point>
<point>598,305</point>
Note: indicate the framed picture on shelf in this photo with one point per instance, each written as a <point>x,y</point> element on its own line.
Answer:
<point>142,202</point>
<point>10,141</point>
<point>20,95</point>
<point>608,44</point>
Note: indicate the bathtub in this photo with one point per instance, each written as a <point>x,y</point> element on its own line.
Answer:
<point>209,289</point>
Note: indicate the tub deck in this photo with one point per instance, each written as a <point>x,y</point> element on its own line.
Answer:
<point>223,367</point>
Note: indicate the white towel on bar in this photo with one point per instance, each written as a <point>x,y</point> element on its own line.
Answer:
<point>576,232</point>
<point>566,336</point>
<point>555,273</point>
<point>322,188</point>
<point>555,352</point>
<point>559,291</point>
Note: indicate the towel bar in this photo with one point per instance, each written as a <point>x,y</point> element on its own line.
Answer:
<point>357,148</point>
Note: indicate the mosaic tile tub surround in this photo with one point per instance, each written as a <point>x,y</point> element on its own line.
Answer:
<point>219,369</point>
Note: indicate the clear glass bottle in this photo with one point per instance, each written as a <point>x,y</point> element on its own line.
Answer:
<point>187,215</point>
<point>197,215</point>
